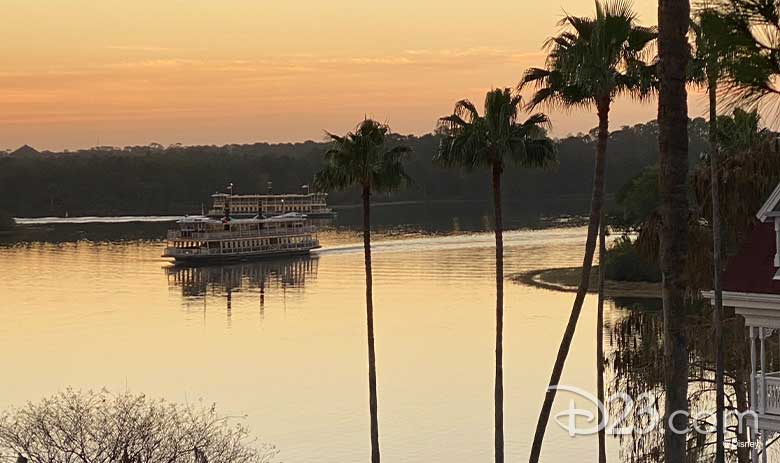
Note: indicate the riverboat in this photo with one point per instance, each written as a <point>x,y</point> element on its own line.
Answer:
<point>201,238</point>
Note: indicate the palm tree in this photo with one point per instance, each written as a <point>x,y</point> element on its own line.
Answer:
<point>673,51</point>
<point>593,61</point>
<point>363,159</point>
<point>742,131</point>
<point>750,30</point>
<point>495,140</point>
<point>709,64</point>
<point>602,438</point>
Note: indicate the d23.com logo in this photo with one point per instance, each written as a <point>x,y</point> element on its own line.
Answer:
<point>637,416</point>
<point>578,421</point>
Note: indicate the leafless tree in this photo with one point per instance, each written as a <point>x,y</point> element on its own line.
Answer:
<point>76,426</point>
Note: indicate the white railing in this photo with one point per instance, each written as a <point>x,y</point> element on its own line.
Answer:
<point>180,234</point>
<point>772,396</point>
<point>270,212</point>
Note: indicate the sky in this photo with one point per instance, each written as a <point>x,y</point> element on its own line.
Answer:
<point>80,73</point>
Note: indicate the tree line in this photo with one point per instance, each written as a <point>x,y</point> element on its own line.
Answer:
<point>178,179</point>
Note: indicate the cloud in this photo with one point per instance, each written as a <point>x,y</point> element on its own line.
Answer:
<point>459,59</point>
<point>153,49</point>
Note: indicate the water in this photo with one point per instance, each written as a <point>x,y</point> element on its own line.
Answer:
<point>282,343</point>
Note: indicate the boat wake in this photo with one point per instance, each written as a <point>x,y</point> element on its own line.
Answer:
<point>474,240</point>
<point>95,219</point>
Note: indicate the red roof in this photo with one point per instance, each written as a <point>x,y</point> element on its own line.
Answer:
<point>752,269</point>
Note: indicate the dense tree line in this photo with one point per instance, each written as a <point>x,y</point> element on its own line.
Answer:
<point>178,179</point>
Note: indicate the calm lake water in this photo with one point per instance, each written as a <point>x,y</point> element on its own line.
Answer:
<point>283,342</point>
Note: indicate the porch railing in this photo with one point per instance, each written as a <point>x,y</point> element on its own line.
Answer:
<point>772,395</point>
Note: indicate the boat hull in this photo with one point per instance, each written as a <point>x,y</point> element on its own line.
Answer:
<point>321,215</point>
<point>236,257</point>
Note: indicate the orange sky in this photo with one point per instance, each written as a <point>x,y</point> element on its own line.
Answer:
<point>76,73</point>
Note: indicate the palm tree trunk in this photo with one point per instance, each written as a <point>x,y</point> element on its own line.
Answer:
<point>600,343</point>
<point>499,385</point>
<point>372,395</point>
<point>596,204</point>
<point>716,265</point>
<point>673,20</point>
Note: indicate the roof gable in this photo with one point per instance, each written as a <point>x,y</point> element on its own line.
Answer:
<point>771,207</point>
<point>752,270</point>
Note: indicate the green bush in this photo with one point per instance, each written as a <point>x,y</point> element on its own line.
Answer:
<point>6,221</point>
<point>636,200</point>
<point>622,262</point>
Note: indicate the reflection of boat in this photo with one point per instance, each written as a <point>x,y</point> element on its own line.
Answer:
<point>197,281</point>
<point>201,239</point>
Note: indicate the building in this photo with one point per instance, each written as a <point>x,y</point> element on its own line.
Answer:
<point>751,285</point>
<point>25,150</point>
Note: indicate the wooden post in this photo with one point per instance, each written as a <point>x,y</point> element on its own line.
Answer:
<point>753,396</point>
<point>762,339</point>
<point>753,372</point>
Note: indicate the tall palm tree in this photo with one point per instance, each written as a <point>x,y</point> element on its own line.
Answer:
<point>710,62</point>
<point>593,61</point>
<point>364,159</point>
<point>494,140</point>
<point>602,435</point>
<point>673,51</point>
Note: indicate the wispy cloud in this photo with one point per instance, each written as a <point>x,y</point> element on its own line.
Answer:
<point>153,49</point>
<point>176,85</point>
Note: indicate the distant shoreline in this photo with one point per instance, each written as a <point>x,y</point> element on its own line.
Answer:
<point>566,279</point>
<point>167,217</point>
<point>576,197</point>
<point>414,202</point>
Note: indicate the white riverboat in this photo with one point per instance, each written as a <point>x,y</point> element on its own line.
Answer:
<point>207,239</point>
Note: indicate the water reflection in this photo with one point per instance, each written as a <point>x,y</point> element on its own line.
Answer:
<point>636,363</point>
<point>260,276</point>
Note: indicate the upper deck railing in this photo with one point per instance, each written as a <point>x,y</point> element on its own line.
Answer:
<point>220,235</point>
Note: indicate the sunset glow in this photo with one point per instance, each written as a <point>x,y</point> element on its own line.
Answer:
<point>81,73</point>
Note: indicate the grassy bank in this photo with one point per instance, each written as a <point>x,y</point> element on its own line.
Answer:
<point>567,279</point>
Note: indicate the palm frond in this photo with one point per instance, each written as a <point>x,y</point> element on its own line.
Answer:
<point>495,137</point>
<point>363,158</point>
<point>594,58</point>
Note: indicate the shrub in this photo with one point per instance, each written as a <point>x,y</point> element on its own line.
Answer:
<point>91,427</point>
<point>636,200</point>
<point>622,262</point>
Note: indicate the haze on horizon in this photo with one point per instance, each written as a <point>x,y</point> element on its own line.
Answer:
<point>80,73</point>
